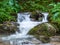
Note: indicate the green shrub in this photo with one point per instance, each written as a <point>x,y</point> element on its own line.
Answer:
<point>6,8</point>
<point>6,17</point>
<point>32,5</point>
<point>55,12</point>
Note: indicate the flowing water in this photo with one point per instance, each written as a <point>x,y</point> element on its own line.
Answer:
<point>25,24</point>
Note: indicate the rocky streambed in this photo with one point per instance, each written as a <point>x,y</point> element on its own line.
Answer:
<point>54,40</point>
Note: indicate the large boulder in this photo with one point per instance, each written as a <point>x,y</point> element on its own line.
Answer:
<point>45,30</point>
<point>8,27</point>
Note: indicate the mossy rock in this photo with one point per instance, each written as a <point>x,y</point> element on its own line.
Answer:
<point>37,16</point>
<point>44,29</point>
<point>8,27</point>
<point>44,39</point>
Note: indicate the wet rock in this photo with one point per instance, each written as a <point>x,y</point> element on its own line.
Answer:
<point>44,29</point>
<point>8,27</point>
<point>36,16</point>
<point>44,39</point>
<point>5,43</point>
<point>55,39</point>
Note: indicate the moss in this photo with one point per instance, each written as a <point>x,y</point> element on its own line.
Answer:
<point>43,29</point>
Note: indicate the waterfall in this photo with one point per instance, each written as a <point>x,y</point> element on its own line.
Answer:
<point>45,17</point>
<point>25,24</point>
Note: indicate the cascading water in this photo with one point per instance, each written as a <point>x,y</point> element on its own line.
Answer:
<point>26,24</point>
<point>45,17</point>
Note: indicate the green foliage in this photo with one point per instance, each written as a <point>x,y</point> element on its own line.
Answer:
<point>6,8</point>
<point>32,5</point>
<point>10,6</point>
<point>6,17</point>
<point>55,12</point>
